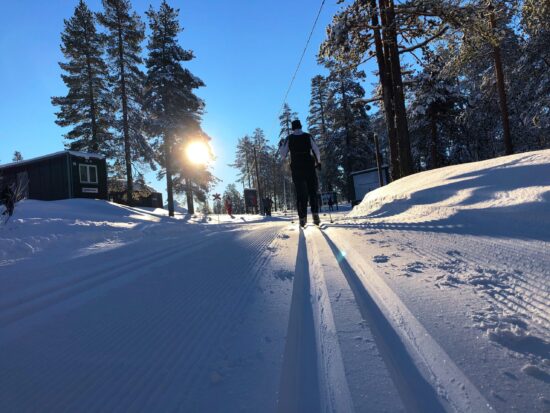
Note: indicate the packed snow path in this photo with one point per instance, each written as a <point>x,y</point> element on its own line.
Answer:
<point>256,317</point>
<point>432,295</point>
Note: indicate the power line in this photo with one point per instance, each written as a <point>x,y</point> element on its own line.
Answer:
<point>303,53</point>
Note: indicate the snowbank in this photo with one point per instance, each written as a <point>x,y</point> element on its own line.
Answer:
<point>72,225</point>
<point>497,197</point>
<point>482,226</point>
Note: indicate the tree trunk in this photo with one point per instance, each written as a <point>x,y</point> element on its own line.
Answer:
<point>378,159</point>
<point>434,144</point>
<point>501,86</point>
<point>387,93</point>
<point>125,126</point>
<point>189,196</point>
<point>390,38</point>
<point>260,200</point>
<point>347,159</point>
<point>95,139</point>
<point>169,184</point>
<point>247,168</point>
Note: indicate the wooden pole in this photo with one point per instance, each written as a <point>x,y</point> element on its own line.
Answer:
<point>260,201</point>
<point>378,159</point>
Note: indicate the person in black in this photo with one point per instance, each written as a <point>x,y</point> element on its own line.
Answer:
<point>8,199</point>
<point>330,203</point>
<point>268,204</point>
<point>304,159</point>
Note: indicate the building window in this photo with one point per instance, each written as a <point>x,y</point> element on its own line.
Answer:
<point>88,174</point>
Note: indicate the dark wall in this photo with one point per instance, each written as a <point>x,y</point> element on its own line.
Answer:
<point>88,190</point>
<point>48,178</point>
<point>152,201</point>
<point>58,177</point>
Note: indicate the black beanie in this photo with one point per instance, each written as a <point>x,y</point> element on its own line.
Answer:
<point>296,124</point>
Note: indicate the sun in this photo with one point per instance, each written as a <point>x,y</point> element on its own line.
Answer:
<point>198,152</point>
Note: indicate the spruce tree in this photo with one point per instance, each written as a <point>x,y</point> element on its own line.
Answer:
<point>87,106</point>
<point>318,127</point>
<point>125,32</point>
<point>434,112</point>
<point>175,111</point>
<point>349,123</point>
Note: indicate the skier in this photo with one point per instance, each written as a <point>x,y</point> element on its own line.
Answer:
<point>304,159</point>
<point>229,207</point>
<point>268,204</point>
<point>330,203</point>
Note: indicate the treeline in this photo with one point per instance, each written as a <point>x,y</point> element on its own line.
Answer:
<point>137,118</point>
<point>457,81</point>
<point>261,167</point>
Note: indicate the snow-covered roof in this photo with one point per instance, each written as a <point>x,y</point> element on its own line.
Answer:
<point>364,171</point>
<point>138,186</point>
<point>53,155</point>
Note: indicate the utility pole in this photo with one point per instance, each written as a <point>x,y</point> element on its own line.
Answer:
<point>284,193</point>
<point>260,201</point>
<point>378,159</point>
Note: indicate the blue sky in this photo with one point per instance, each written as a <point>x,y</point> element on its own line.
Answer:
<point>246,53</point>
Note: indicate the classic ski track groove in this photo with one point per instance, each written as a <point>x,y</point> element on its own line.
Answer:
<point>299,389</point>
<point>336,394</point>
<point>459,396</point>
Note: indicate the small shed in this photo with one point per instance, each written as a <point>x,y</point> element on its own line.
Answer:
<point>144,195</point>
<point>60,175</point>
<point>368,180</point>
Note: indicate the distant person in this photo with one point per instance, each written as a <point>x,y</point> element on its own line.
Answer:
<point>304,159</point>
<point>268,204</point>
<point>330,203</point>
<point>229,207</point>
<point>8,199</point>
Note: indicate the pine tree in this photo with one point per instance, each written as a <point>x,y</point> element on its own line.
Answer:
<point>244,160</point>
<point>349,124</point>
<point>385,31</point>
<point>87,106</point>
<point>434,111</point>
<point>125,32</point>
<point>174,109</point>
<point>17,157</point>
<point>530,78</point>
<point>318,127</point>
<point>271,172</point>
<point>285,119</point>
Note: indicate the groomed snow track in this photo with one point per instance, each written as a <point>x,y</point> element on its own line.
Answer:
<point>271,319</point>
<point>393,364</point>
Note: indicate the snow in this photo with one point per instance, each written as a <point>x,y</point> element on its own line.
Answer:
<point>433,294</point>
<point>86,155</point>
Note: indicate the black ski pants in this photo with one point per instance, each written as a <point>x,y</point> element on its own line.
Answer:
<point>305,184</point>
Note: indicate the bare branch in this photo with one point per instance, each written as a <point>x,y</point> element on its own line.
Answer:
<point>365,101</point>
<point>425,42</point>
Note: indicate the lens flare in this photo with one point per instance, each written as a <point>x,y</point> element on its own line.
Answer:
<point>198,152</point>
